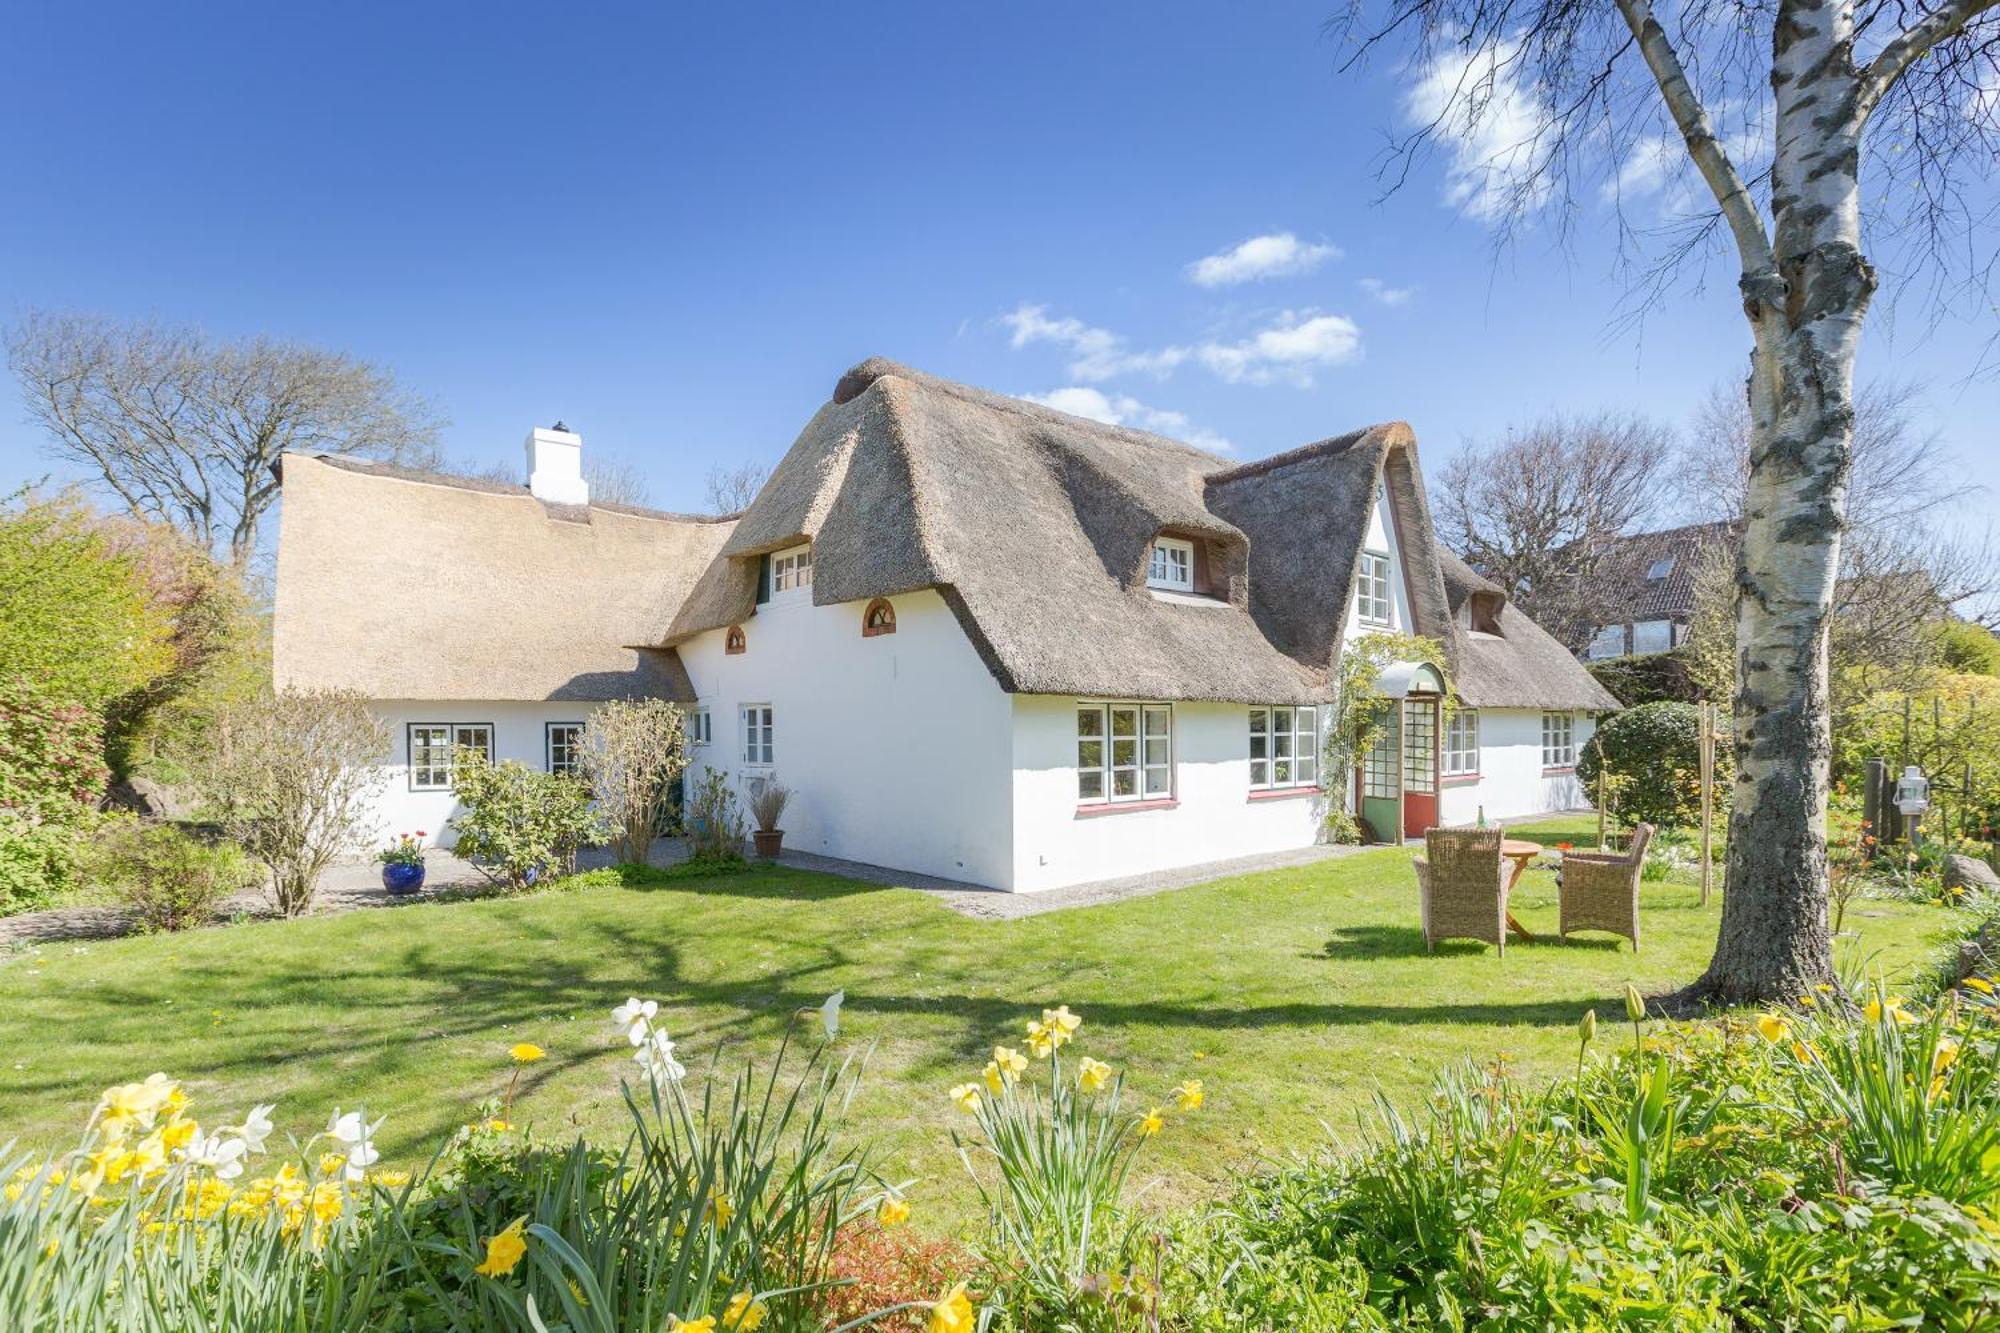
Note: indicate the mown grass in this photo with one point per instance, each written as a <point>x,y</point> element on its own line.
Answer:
<point>1293,994</point>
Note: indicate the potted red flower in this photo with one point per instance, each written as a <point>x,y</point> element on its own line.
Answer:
<point>403,863</point>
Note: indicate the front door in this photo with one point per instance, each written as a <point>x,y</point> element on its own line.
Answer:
<point>1420,765</point>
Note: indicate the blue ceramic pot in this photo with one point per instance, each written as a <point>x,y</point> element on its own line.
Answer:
<point>401,877</point>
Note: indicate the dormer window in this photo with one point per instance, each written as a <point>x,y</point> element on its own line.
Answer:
<point>1172,565</point>
<point>791,570</point>
<point>1659,569</point>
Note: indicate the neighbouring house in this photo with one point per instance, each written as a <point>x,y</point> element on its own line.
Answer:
<point>978,638</point>
<point>1653,578</point>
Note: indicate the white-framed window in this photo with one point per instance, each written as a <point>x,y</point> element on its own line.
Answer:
<point>1371,589</point>
<point>755,722</point>
<point>1284,747</point>
<point>562,745</point>
<point>699,728</point>
<point>1461,743</point>
<point>1124,752</point>
<point>433,746</point>
<point>791,570</point>
<point>1558,740</point>
<point>1172,565</point>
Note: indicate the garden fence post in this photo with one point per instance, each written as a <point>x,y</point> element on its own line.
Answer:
<point>1707,752</point>
<point>1872,818</point>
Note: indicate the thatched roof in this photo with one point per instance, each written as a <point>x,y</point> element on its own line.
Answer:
<point>406,584</point>
<point>1036,525</point>
<point>1521,667</point>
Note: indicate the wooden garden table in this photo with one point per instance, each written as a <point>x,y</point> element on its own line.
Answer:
<point>1520,851</point>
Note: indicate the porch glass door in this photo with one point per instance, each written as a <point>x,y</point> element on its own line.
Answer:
<point>1420,801</point>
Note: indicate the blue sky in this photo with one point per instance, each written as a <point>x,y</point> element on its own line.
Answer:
<point>675,227</point>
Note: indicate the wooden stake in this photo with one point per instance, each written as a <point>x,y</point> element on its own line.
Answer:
<point>1707,749</point>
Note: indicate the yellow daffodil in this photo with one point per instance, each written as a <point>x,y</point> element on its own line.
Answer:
<point>1189,1095</point>
<point>504,1251</point>
<point>1149,1123</point>
<point>526,1052</point>
<point>1946,1057</point>
<point>743,1313</point>
<point>1061,1020</point>
<point>893,1212</point>
<point>951,1313</point>
<point>1872,1011</point>
<point>995,1080</point>
<point>1771,1027</point>
<point>1010,1062</point>
<point>1980,984</point>
<point>1091,1075</point>
<point>966,1096</point>
<point>705,1324</point>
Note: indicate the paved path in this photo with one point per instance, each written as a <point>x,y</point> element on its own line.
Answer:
<point>352,885</point>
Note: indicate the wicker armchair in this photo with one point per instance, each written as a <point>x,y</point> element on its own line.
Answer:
<point>1462,886</point>
<point>1600,890</point>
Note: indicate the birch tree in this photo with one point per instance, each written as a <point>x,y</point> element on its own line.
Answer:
<point>1774,114</point>
<point>184,429</point>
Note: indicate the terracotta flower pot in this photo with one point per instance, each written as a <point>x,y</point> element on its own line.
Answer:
<point>768,842</point>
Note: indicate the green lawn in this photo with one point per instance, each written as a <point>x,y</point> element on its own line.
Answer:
<point>1293,994</point>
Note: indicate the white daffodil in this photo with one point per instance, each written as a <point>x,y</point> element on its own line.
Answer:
<point>656,1057</point>
<point>359,1158</point>
<point>636,1017</point>
<point>256,1127</point>
<point>224,1156</point>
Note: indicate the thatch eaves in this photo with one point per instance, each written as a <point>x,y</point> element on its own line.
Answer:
<point>1523,666</point>
<point>406,584</point>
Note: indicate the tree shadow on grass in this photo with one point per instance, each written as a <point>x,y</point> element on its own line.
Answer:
<point>1351,943</point>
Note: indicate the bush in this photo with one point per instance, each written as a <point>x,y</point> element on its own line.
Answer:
<point>38,863</point>
<point>1647,678</point>
<point>51,755</point>
<point>1966,648</point>
<point>290,777</point>
<point>1653,754</point>
<point>715,826</point>
<point>169,880</point>
<point>632,752</point>
<point>519,825</point>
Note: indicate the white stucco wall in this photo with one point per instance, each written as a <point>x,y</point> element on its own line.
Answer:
<point>897,748</point>
<point>518,733</point>
<point>1512,783</point>
<point>1215,818</point>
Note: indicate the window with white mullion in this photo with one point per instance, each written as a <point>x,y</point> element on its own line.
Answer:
<point>434,747</point>
<point>1371,589</point>
<point>1124,752</point>
<point>1461,743</point>
<point>563,743</point>
<point>792,570</point>
<point>1284,747</point>
<point>755,724</point>
<point>1172,564</point>
<point>1558,740</point>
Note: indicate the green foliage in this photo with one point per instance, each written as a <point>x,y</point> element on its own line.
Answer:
<point>51,755</point>
<point>517,824</point>
<point>1358,714</point>
<point>75,615</point>
<point>1648,678</point>
<point>1953,734</point>
<point>632,751</point>
<point>715,824</point>
<point>38,863</point>
<point>1965,648</point>
<point>169,880</point>
<point>1653,751</point>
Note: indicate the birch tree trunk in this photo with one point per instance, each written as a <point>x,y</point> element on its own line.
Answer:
<point>1805,310</point>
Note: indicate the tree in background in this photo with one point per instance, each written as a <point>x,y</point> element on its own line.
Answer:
<point>289,777</point>
<point>1536,512</point>
<point>1965,648</point>
<point>184,429</point>
<point>1773,108</point>
<point>632,751</point>
<point>731,489</point>
<point>76,615</point>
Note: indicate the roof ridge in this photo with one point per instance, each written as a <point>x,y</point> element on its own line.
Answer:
<point>485,486</point>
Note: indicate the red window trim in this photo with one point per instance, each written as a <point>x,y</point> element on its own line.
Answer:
<point>1460,779</point>
<point>1558,769</point>
<point>869,630</point>
<point>735,641</point>
<point>1097,808</point>
<point>1283,793</point>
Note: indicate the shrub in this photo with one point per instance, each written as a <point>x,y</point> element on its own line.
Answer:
<point>518,824</point>
<point>51,755</point>
<point>290,777</point>
<point>1966,648</point>
<point>632,752</point>
<point>38,863</point>
<point>1647,678</point>
<point>169,880</point>
<point>1653,751</point>
<point>715,820</point>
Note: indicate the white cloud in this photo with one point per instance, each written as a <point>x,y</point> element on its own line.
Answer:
<point>1277,255</point>
<point>1288,350</point>
<point>1491,123</point>
<point>1387,295</point>
<point>1081,400</point>
<point>1095,354</point>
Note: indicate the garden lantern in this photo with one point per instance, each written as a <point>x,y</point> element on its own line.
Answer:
<point>1913,797</point>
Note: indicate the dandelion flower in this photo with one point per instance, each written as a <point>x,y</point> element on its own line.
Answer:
<point>1980,984</point>
<point>1771,1027</point>
<point>893,1212</point>
<point>504,1251</point>
<point>526,1053</point>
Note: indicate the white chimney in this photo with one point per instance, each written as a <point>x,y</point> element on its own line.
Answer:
<point>555,466</point>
